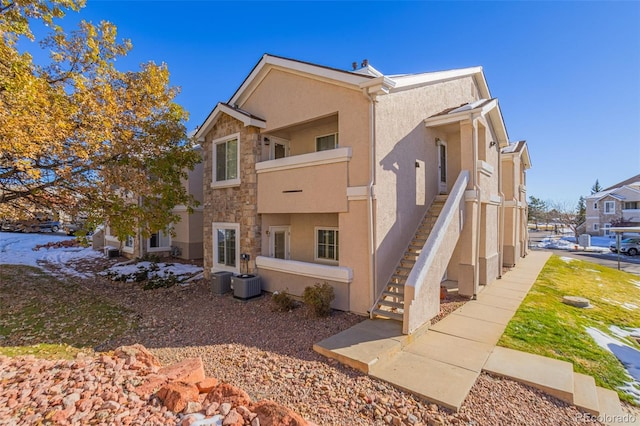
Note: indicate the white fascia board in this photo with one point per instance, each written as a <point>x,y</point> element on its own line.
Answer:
<point>413,80</point>
<point>268,61</point>
<point>458,116</point>
<point>495,115</point>
<point>220,108</point>
<point>378,84</point>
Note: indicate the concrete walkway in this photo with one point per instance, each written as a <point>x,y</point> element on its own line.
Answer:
<point>442,362</point>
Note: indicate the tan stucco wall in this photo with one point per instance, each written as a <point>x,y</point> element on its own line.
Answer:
<point>284,99</point>
<point>299,109</point>
<point>401,139</point>
<point>322,188</point>
<point>295,285</point>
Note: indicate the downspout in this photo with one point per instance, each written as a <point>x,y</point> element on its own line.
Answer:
<point>478,203</point>
<point>500,215</point>
<point>372,180</point>
<point>141,242</point>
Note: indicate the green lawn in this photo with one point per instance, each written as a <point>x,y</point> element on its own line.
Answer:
<point>544,325</point>
<point>47,317</point>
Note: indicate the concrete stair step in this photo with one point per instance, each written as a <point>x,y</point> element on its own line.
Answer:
<point>398,277</point>
<point>387,314</point>
<point>390,304</point>
<point>364,344</point>
<point>398,286</point>
<point>396,294</point>
<point>438,382</point>
<point>403,269</point>
<point>549,375</point>
<point>585,395</point>
<point>610,408</point>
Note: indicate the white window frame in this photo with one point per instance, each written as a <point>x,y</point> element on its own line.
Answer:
<point>227,182</point>
<point>606,207</point>
<point>596,226</point>
<point>315,241</point>
<point>128,241</point>
<point>606,227</point>
<point>214,238</point>
<point>335,134</point>
<point>287,240</point>
<point>159,248</point>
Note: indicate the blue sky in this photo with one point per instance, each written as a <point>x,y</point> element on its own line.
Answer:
<point>567,74</point>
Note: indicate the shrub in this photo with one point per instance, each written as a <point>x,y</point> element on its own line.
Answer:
<point>319,298</point>
<point>282,301</point>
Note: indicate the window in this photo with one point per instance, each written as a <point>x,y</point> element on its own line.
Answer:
<point>609,207</point>
<point>226,246</point>
<point>633,205</point>
<point>596,226</point>
<point>128,242</point>
<point>595,205</point>
<point>159,240</point>
<point>327,248</point>
<point>324,143</point>
<point>225,161</point>
<point>606,228</point>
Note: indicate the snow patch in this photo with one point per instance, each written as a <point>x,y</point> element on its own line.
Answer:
<point>567,259</point>
<point>627,355</point>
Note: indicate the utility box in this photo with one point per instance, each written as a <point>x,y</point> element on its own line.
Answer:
<point>584,240</point>
<point>246,286</point>
<point>111,252</point>
<point>221,282</point>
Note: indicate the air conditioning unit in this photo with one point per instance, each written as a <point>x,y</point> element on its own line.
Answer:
<point>221,282</point>
<point>246,286</point>
<point>111,252</point>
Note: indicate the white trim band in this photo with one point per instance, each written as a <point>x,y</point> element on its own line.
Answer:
<point>305,160</point>
<point>341,274</point>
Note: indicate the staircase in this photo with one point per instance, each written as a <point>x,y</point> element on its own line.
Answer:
<point>390,304</point>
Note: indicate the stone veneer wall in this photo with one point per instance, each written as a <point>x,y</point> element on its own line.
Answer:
<point>237,204</point>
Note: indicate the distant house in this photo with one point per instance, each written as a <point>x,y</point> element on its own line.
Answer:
<point>381,185</point>
<point>617,205</point>
<point>187,241</point>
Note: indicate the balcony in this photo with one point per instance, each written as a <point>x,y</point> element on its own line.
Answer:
<point>308,183</point>
<point>631,215</point>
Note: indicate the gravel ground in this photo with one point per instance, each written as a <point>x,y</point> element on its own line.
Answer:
<point>269,355</point>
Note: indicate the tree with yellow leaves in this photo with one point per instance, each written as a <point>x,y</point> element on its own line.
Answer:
<point>79,135</point>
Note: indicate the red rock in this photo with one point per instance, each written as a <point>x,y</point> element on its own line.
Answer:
<point>136,354</point>
<point>211,408</point>
<point>207,385</point>
<point>273,414</point>
<point>224,392</point>
<point>152,383</point>
<point>62,416</point>
<point>189,370</point>
<point>84,404</point>
<point>233,419</point>
<point>176,395</point>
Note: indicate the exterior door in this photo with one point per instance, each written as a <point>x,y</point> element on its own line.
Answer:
<point>279,241</point>
<point>442,167</point>
<point>279,148</point>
